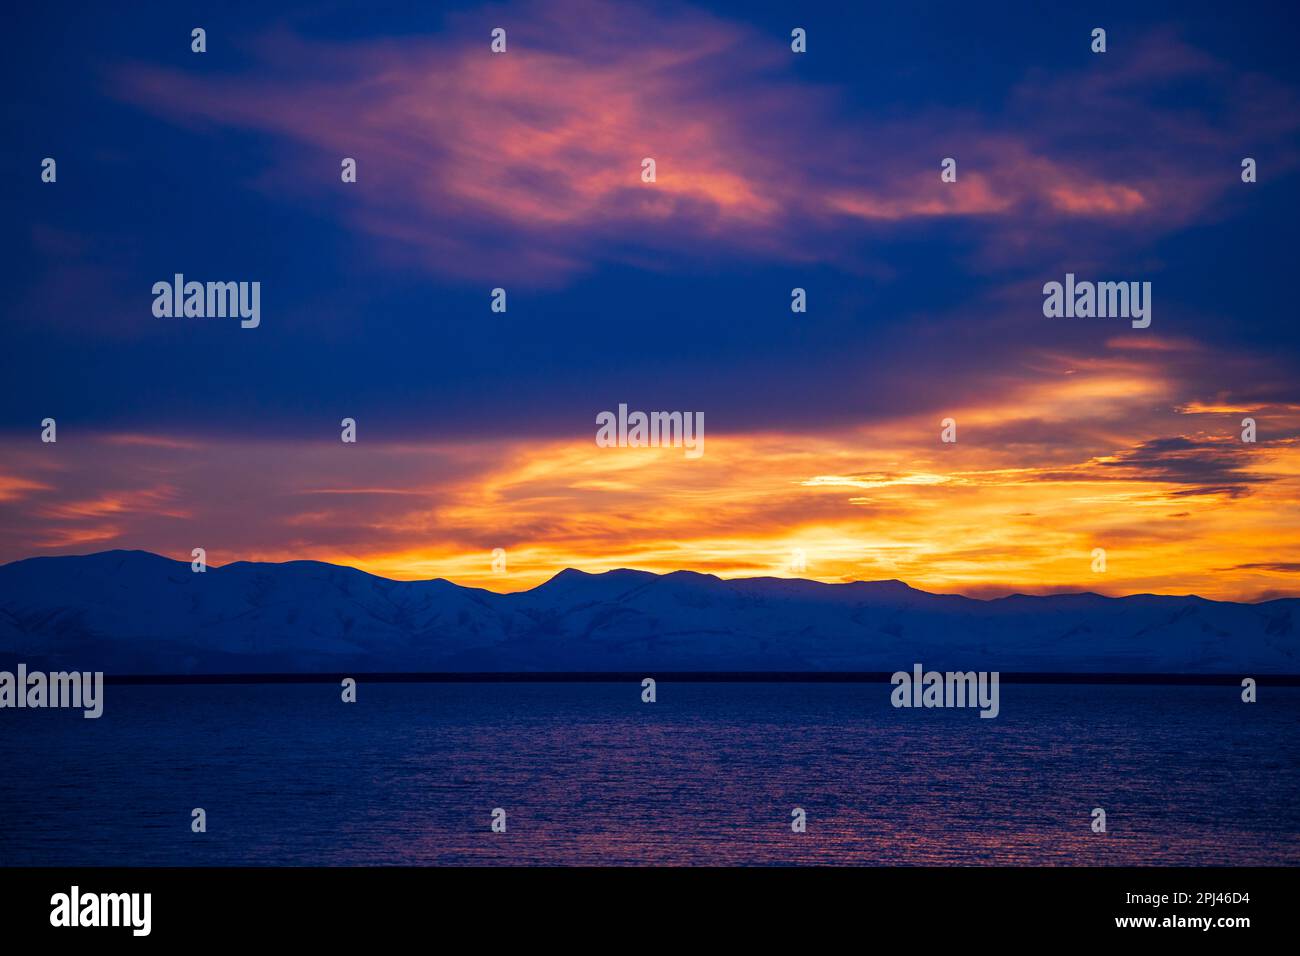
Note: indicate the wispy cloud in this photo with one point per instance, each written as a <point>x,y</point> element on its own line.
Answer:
<point>528,163</point>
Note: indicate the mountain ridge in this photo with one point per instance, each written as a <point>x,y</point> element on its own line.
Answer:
<point>126,611</point>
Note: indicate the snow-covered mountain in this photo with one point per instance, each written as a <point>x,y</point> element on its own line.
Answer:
<point>136,612</point>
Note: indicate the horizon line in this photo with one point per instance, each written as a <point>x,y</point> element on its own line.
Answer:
<point>688,677</point>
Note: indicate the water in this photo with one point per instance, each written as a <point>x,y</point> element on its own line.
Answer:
<point>709,774</point>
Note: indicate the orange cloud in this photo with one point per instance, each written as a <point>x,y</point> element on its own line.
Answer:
<point>13,487</point>
<point>1041,474</point>
<point>1105,199</point>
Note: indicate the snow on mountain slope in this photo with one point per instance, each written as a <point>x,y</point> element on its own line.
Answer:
<point>135,612</point>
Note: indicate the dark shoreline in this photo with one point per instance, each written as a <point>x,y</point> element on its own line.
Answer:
<point>694,677</point>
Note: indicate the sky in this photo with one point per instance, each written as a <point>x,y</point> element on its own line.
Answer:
<point>775,170</point>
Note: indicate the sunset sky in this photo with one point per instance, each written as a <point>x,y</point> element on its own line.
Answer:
<point>775,170</point>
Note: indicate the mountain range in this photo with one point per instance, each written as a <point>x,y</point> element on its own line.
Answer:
<point>133,612</point>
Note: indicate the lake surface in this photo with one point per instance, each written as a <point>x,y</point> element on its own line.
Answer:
<point>587,773</point>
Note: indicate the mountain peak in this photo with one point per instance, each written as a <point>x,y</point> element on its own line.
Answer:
<point>572,579</point>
